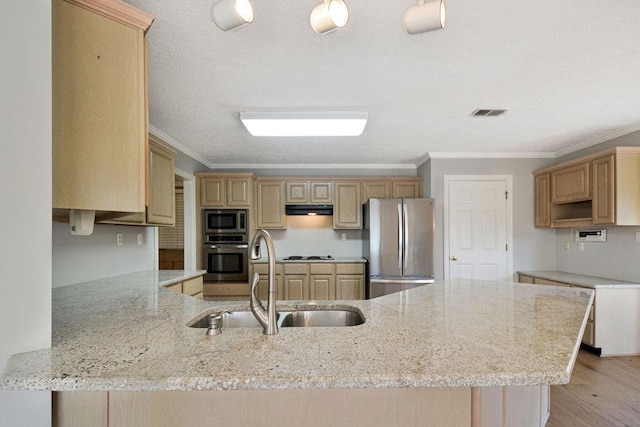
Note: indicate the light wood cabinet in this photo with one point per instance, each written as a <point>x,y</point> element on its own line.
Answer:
<point>542,202</point>
<point>99,107</point>
<point>270,210</point>
<point>314,281</point>
<point>322,281</point>
<point>302,192</point>
<point>221,191</point>
<point>571,184</point>
<point>600,189</point>
<point>350,281</point>
<point>376,190</point>
<point>406,189</point>
<point>160,189</point>
<point>347,209</point>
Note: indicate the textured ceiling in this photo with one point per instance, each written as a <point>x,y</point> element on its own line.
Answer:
<point>567,72</point>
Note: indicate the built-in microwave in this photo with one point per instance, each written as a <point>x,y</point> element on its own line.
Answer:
<point>224,221</point>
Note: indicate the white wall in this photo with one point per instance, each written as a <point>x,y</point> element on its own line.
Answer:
<point>533,249</point>
<point>314,235</point>
<point>83,258</point>
<point>25,165</point>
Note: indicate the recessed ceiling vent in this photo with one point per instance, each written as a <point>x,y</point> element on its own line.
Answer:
<point>486,113</point>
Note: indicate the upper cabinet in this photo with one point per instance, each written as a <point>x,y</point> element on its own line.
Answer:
<point>600,189</point>
<point>347,210</point>
<point>300,192</point>
<point>160,201</point>
<point>226,190</point>
<point>270,204</point>
<point>394,188</point>
<point>99,103</point>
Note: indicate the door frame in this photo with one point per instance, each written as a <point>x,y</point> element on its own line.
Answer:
<point>508,179</point>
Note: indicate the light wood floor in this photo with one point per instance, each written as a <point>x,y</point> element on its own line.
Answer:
<point>603,391</point>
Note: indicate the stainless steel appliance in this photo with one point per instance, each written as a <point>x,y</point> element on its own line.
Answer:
<point>224,221</point>
<point>225,258</point>
<point>399,245</point>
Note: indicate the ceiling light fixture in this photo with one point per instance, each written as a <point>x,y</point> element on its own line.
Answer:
<point>328,16</point>
<point>338,123</point>
<point>424,17</point>
<point>231,14</point>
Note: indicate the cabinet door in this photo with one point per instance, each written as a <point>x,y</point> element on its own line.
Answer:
<point>571,184</point>
<point>263,287</point>
<point>542,201</point>
<point>604,203</point>
<point>99,126</point>
<point>322,287</point>
<point>270,205</point>
<point>296,287</point>
<point>161,193</point>
<point>406,190</point>
<point>239,192</point>
<point>523,278</point>
<point>297,192</point>
<point>376,190</point>
<point>349,287</point>
<point>321,193</point>
<point>213,191</point>
<point>347,209</point>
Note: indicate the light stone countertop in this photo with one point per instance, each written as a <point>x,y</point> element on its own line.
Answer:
<point>581,280</point>
<point>129,333</point>
<point>346,260</point>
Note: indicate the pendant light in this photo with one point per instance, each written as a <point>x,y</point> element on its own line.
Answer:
<point>231,14</point>
<point>328,16</point>
<point>424,17</point>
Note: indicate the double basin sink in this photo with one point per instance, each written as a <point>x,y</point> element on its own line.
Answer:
<point>316,317</point>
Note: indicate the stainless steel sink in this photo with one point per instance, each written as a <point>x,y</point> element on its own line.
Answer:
<point>231,319</point>
<point>296,318</point>
<point>320,318</point>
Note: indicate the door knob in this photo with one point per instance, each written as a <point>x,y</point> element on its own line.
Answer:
<point>453,258</point>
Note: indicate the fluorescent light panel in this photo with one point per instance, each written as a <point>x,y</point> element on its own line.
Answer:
<point>339,123</point>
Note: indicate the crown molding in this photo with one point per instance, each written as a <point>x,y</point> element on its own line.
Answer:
<point>179,146</point>
<point>310,166</point>
<point>118,11</point>
<point>491,155</point>
<point>598,140</point>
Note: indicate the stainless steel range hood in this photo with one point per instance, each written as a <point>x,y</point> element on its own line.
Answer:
<point>309,209</point>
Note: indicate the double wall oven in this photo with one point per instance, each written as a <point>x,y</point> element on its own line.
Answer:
<point>225,245</point>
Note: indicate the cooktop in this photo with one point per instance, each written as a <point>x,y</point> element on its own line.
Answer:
<point>310,257</point>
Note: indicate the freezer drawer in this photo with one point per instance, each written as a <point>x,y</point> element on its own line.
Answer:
<point>380,287</point>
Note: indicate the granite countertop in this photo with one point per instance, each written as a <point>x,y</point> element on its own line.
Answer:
<point>129,333</point>
<point>167,277</point>
<point>580,279</point>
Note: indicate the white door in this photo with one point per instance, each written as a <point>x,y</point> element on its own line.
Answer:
<point>478,222</point>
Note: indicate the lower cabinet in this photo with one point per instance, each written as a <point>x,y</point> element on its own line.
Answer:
<point>313,281</point>
<point>192,287</point>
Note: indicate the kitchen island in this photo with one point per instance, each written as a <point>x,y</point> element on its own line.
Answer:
<point>451,351</point>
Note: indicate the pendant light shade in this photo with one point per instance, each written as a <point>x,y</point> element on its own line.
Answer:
<point>424,17</point>
<point>231,14</point>
<point>328,16</point>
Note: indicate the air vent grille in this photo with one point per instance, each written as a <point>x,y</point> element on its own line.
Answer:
<point>482,112</point>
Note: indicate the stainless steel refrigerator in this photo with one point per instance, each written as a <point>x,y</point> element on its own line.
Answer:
<point>398,242</point>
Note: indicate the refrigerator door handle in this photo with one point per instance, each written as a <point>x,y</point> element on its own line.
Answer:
<point>400,236</point>
<point>405,248</point>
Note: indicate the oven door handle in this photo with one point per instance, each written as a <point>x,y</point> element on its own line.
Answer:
<point>225,246</point>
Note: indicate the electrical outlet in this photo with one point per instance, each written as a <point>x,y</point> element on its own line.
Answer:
<point>581,246</point>
<point>119,239</point>
<point>637,236</point>
<point>344,236</point>
<point>139,239</point>
<point>567,245</point>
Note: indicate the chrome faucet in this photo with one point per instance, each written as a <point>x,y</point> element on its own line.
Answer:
<point>267,317</point>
